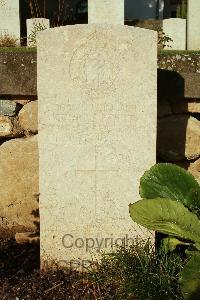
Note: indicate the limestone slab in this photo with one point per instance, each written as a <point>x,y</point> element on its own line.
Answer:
<point>106,12</point>
<point>9,18</point>
<point>193,25</point>
<point>175,28</point>
<point>97,134</point>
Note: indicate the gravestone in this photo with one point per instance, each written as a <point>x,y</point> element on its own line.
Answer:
<point>175,29</point>
<point>193,25</point>
<point>34,26</point>
<point>106,12</point>
<point>97,136</point>
<point>9,18</point>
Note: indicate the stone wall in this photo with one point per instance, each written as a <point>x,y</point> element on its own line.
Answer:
<point>178,130</point>
<point>178,139</point>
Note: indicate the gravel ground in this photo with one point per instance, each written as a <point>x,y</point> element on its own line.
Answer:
<point>20,277</point>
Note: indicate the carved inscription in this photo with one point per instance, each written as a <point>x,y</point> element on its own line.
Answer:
<point>2,3</point>
<point>8,9</point>
<point>94,66</point>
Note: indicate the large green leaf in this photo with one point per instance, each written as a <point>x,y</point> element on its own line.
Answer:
<point>170,181</point>
<point>169,244</point>
<point>190,279</point>
<point>166,216</point>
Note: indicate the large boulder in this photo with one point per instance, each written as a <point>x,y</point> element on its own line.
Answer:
<point>28,117</point>
<point>9,127</point>
<point>19,191</point>
<point>178,138</point>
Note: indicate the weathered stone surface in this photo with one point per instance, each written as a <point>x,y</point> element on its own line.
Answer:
<point>193,25</point>
<point>97,133</point>
<point>175,28</point>
<point>18,71</point>
<point>8,108</point>
<point>178,138</point>
<point>106,12</point>
<point>9,18</point>
<point>28,117</point>
<point>9,127</point>
<point>186,106</point>
<point>19,186</point>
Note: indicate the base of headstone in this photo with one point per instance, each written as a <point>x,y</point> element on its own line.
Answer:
<point>97,87</point>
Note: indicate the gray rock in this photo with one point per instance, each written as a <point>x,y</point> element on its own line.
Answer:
<point>8,108</point>
<point>9,127</point>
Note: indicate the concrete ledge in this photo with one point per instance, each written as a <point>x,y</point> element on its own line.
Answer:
<point>178,75</point>
<point>18,73</point>
<point>175,85</point>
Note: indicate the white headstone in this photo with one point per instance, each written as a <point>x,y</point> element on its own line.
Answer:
<point>97,136</point>
<point>106,12</point>
<point>34,26</point>
<point>9,18</point>
<point>175,28</point>
<point>193,25</point>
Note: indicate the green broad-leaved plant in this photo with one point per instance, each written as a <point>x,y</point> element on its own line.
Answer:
<point>170,204</point>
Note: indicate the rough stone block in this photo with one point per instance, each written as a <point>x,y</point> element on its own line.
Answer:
<point>18,71</point>
<point>9,127</point>
<point>19,208</point>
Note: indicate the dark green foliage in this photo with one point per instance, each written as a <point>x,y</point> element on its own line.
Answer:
<point>182,10</point>
<point>170,181</point>
<point>171,205</point>
<point>138,273</point>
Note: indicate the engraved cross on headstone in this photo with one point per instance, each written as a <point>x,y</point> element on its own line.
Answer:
<point>106,12</point>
